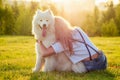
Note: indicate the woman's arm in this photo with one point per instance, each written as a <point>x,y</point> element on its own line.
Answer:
<point>46,51</point>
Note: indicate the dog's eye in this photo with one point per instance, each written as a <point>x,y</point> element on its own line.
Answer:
<point>47,20</point>
<point>41,20</point>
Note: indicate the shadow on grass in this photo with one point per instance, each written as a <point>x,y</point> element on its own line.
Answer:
<point>95,75</point>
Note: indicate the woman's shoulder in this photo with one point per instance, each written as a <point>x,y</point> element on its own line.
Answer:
<point>76,29</point>
<point>75,33</point>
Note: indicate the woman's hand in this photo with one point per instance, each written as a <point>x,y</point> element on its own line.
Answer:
<point>45,52</point>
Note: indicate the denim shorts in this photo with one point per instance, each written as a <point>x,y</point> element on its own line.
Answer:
<point>99,63</point>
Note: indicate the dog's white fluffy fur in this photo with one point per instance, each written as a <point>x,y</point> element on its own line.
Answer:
<point>59,62</point>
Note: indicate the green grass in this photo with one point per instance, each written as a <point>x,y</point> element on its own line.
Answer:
<point>17,58</point>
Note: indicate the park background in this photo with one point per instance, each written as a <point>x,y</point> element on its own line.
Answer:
<point>100,19</point>
<point>96,19</point>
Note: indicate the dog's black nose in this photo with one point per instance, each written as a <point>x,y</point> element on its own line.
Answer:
<point>44,25</point>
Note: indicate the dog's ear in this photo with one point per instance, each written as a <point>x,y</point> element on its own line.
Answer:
<point>38,11</point>
<point>49,11</point>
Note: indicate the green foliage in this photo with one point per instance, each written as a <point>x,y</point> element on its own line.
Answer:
<point>7,20</point>
<point>15,9</point>
<point>103,23</point>
<point>17,58</point>
<point>117,18</point>
<point>24,21</point>
<point>92,24</point>
<point>89,26</point>
<point>16,19</point>
<point>109,13</point>
<point>109,29</point>
<point>2,21</point>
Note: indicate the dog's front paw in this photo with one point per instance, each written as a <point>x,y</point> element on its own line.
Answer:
<point>34,70</point>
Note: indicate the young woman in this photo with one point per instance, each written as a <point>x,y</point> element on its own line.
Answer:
<point>77,45</point>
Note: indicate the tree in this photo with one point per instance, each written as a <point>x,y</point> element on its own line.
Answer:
<point>6,20</point>
<point>0,3</point>
<point>1,21</point>
<point>9,21</point>
<point>109,13</point>
<point>33,7</point>
<point>109,28</point>
<point>97,21</point>
<point>89,26</point>
<point>24,21</point>
<point>15,9</point>
<point>117,17</point>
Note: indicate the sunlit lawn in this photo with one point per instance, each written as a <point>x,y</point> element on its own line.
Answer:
<point>17,58</point>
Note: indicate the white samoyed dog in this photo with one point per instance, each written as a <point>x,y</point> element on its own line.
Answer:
<point>43,29</point>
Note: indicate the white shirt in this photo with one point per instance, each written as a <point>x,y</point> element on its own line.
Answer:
<point>80,50</point>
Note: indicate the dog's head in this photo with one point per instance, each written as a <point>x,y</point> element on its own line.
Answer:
<point>43,21</point>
